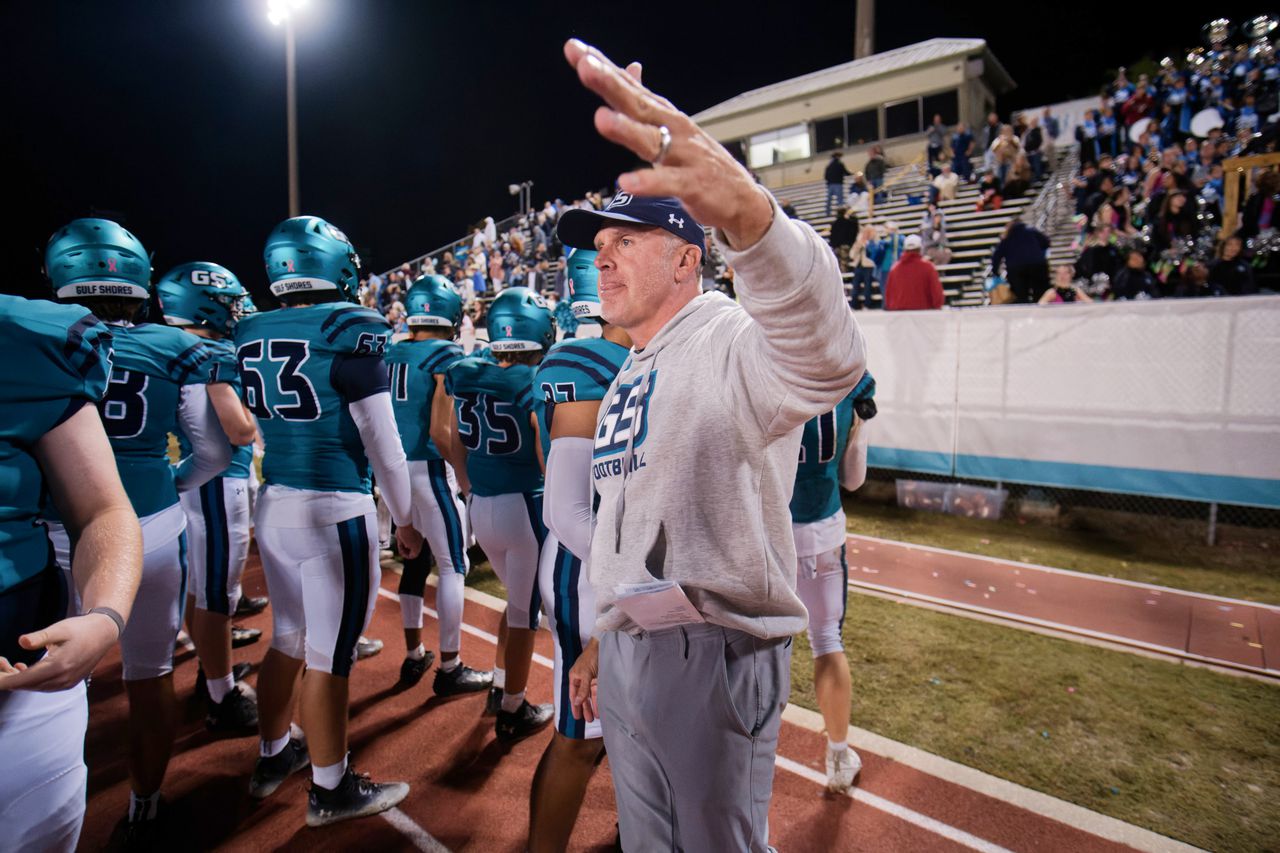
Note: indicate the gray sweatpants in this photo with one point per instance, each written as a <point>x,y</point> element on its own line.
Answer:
<point>691,718</point>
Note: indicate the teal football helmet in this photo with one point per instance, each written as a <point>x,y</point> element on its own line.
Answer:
<point>89,258</point>
<point>520,321</point>
<point>246,305</point>
<point>201,294</point>
<point>584,289</point>
<point>306,253</point>
<point>432,302</point>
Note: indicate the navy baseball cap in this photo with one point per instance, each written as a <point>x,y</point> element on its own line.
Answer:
<point>577,227</point>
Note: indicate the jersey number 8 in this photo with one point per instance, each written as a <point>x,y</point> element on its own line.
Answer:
<point>284,360</point>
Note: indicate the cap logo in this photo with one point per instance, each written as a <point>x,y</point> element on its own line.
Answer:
<point>622,199</point>
<point>674,220</point>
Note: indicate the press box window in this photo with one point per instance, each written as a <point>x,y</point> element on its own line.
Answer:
<point>779,146</point>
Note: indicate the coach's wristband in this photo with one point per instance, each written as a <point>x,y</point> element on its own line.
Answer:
<point>113,616</point>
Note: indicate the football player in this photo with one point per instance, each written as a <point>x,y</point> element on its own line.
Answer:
<point>424,414</point>
<point>495,423</point>
<point>313,375</point>
<point>833,453</point>
<point>51,438</point>
<point>203,299</point>
<point>572,380</point>
<point>159,385</point>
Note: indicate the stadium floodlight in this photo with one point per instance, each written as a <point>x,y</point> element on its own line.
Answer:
<point>282,12</point>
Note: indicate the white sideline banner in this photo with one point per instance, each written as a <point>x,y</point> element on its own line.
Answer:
<point>1168,398</point>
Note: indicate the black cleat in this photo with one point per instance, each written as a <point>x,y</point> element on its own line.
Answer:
<point>493,702</point>
<point>238,673</point>
<point>411,671</point>
<point>244,636</point>
<point>355,796</point>
<point>463,679</point>
<point>247,606</point>
<point>236,712</point>
<point>142,835</point>
<point>529,719</point>
<point>270,773</point>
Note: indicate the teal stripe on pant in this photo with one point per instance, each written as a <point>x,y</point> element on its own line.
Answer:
<point>353,541</point>
<point>452,521</point>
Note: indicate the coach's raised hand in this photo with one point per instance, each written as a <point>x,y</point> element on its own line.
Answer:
<point>688,163</point>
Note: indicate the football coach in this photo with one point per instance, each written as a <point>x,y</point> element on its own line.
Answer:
<point>692,558</point>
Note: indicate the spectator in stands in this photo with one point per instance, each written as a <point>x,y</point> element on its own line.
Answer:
<point>1117,213</point>
<point>1262,209</point>
<point>989,197</point>
<point>844,231</point>
<point>788,208</point>
<point>937,138</point>
<point>1004,151</point>
<point>1019,178</point>
<point>834,175</point>
<point>987,136</point>
<point>886,251</point>
<point>946,184</point>
<point>1100,260</point>
<point>875,169</point>
<point>933,238</point>
<point>864,268</point>
<point>1194,282</point>
<point>1033,145</point>
<point>1052,129</point>
<point>1135,280</point>
<point>1176,222</point>
<point>1231,274</point>
<point>490,231</point>
<point>497,272</point>
<point>913,283</point>
<point>1064,289</point>
<point>1108,132</point>
<point>1022,250</point>
<point>1087,137</point>
<point>859,193</point>
<point>961,151</point>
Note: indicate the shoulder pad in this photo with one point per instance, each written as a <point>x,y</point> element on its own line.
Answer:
<point>356,330</point>
<point>166,352</point>
<point>441,356</point>
<point>512,384</point>
<point>73,347</point>
<point>587,366</point>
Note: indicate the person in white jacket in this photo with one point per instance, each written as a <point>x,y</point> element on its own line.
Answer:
<point>692,559</point>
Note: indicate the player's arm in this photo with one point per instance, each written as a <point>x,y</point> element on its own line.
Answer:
<point>233,417</point>
<point>210,450</point>
<point>853,465</point>
<point>537,442</point>
<point>566,506</point>
<point>362,382</point>
<point>444,433</point>
<point>80,472</point>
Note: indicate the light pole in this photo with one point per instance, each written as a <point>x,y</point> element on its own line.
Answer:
<point>282,12</point>
<point>524,189</point>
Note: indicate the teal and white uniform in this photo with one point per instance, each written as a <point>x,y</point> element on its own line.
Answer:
<point>818,519</point>
<point>157,387</point>
<point>308,374</point>
<point>575,370</point>
<point>60,359</point>
<point>438,512</point>
<point>218,512</point>
<point>493,407</point>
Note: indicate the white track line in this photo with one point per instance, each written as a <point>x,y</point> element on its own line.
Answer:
<point>901,812</point>
<point>420,838</point>
<point>959,836</point>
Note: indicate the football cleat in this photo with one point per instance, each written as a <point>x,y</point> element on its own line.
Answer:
<point>355,796</point>
<point>247,606</point>
<point>463,679</point>
<point>367,648</point>
<point>411,671</point>
<point>237,711</point>
<point>244,636</point>
<point>269,773</point>
<point>528,719</point>
<point>493,702</point>
<point>238,673</point>
<point>842,768</point>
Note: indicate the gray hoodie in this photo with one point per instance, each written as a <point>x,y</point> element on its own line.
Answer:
<point>699,435</point>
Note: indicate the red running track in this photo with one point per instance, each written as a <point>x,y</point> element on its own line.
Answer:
<point>471,794</point>
<point>1205,628</point>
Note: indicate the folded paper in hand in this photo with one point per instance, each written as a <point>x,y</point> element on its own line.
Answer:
<point>656,605</point>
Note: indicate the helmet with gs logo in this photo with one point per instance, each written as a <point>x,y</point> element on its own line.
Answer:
<point>201,294</point>
<point>432,302</point>
<point>305,254</point>
<point>89,258</point>
<point>520,321</point>
<point>584,287</point>
<point>246,305</point>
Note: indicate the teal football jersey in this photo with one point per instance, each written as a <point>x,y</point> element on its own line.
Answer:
<point>59,359</point>
<point>493,405</point>
<point>300,368</point>
<point>817,491</point>
<point>575,370</point>
<point>140,408</point>
<point>414,368</point>
<point>224,370</point>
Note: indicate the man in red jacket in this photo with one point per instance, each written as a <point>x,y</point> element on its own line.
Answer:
<point>913,282</point>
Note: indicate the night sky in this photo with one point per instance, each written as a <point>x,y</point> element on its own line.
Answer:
<point>414,116</point>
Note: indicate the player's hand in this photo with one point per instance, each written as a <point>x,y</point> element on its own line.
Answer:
<point>583,677</point>
<point>696,169</point>
<point>408,541</point>
<point>74,648</point>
